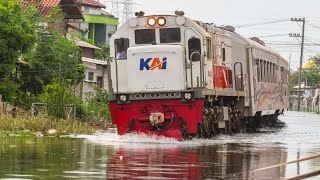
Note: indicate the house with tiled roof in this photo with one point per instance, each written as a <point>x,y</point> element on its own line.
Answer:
<point>98,23</point>
<point>80,15</point>
<point>70,7</point>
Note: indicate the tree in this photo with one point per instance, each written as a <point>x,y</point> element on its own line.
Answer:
<point>310,74</point>
<point>316,60</point>
<point>53,56</point>
<point>17,35</point>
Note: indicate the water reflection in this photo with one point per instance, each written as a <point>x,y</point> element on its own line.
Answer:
<point>53,158</point>
<point>227,161</point>
<point>108,156</point>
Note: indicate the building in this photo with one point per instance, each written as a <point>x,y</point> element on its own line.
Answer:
<point>98,24</point>
<point>96,70</point>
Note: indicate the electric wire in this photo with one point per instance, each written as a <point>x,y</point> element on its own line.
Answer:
<point>262,23</point>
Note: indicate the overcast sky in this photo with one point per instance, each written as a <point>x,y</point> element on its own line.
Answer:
<point>246,12</point>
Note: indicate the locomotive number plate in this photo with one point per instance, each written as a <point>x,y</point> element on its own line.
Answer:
<point>156,118</point>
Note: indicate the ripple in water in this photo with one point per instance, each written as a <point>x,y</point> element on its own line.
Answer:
<point>290,134</point>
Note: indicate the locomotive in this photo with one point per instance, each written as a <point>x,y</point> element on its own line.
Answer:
<point>176,77</point>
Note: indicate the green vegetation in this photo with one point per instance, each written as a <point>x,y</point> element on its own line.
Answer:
<point>17,35</point>
<point>311,73</point>
<point>18,125</point>
<point>38,63</point>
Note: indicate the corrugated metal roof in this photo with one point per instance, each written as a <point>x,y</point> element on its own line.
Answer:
<point>95,61</point>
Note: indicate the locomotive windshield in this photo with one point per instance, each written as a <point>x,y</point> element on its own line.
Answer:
<point>145,36</point>
<point>170,35</point>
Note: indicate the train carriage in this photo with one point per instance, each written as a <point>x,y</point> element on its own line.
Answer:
<point>176,77</point>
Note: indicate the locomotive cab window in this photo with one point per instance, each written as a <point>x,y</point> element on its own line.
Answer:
<point>170,35</point>
<point>145,36</point>
<point>194,45</point>
<point>121,47</point>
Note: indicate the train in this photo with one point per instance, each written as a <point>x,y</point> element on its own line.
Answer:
<point>179,78</point>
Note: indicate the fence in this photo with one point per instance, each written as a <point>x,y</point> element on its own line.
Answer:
<point>305,106</point>
<point>41,109</point>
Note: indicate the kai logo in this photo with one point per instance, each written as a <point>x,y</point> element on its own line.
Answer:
<point>153,63</point>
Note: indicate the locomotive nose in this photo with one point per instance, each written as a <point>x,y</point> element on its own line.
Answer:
<point>154,68</point>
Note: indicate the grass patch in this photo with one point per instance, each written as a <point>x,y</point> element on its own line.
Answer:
<point>24,124</point>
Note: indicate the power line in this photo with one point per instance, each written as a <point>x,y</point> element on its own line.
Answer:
<point>273,35</point>
<point>262,23</point>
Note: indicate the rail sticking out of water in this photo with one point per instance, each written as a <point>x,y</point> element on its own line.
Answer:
<point>303,176</point>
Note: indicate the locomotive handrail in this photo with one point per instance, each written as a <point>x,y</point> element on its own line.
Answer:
<point>109,74</point>
<point>191,71</point>
<point>117,83</point>
<point>235,76</point>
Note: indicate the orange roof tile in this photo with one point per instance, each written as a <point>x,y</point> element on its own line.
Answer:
<point>93,3</point>
<point>45,6</point>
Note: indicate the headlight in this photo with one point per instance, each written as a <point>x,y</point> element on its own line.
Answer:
<point>188,96</point>
<point>123,98</point>
<point>151,21</point>
<point>161,21</point>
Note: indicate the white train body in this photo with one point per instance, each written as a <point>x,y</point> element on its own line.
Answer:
<point>220,70</point>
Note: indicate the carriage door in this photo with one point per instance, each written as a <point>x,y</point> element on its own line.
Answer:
<point>281,83</point>
<point>194,52</point>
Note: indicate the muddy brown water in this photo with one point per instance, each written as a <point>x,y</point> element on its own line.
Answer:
<point>108,156</point>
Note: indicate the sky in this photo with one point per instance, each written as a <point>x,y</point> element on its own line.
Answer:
<point>249,12</point>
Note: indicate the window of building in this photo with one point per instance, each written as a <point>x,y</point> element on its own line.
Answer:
<point>121,48</point>
<point>100,82</point>
<point>145,36</point>
<point>194,45</point>
<point>170,35</point>
<point>90,76</point>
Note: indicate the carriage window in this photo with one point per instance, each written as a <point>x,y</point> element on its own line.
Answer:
<point>264,71</point>
<point>209,49</point>
<point>224,54</point>
<point>276,73</point>
<point>145,36</point>
<point>170,35</point>
<point>258,69</point>
<point>121,47</point>
<point>194,45</point>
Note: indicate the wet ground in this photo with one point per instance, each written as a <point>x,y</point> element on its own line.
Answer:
<point>108,156</point>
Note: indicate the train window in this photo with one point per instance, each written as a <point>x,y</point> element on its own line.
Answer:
<point>282,75</point>
<point>276,74</point>
<point>170,35</point>
<point>145,36</point>
<point>224,54</point>
<point>258,69</point>
<point>121,47</point>
<point>209,49</point>
<point>267,72</point>
<point>194,45</point>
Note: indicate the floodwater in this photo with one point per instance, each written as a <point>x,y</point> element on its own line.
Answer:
<point>108,156</point>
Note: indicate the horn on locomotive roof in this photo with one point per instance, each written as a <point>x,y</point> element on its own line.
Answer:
<point>229,28</point>
<point>139,14</point>
<point>179,13</point>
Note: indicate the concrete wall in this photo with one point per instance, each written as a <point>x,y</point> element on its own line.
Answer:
<point>99,71</point>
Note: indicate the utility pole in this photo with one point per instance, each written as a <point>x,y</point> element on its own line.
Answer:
<point>301,54</point>
<point>123,9</point>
